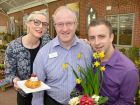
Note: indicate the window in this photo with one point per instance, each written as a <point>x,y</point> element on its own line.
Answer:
<point>90,16</point>
<point>122,28</point>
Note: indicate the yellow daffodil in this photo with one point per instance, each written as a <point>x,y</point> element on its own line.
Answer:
<point>88,75</point>
<point>137,62</point>
<point>79,68</point>
<point>95,55</point>
<point>102,68</point>
<point>96,64</point>
<point>79,55</point>
<point>78,81</point>
<point>101,55</point>
<point>65,66</point>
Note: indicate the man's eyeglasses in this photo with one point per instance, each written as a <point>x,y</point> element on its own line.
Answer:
<point>61,25</point>
<point>38,22</point>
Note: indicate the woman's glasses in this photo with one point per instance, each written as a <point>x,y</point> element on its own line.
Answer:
<point>38,22</point>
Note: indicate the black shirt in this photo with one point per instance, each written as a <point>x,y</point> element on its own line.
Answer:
<point>33,53</point>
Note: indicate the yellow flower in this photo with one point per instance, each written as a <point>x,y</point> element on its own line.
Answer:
<point>79,68</point>
<point>137,62</point>
<point>101,55</point>
<point>65,66</point>
<point>79,55</point>
<point>95,55</point>
<point>78,81</point>
<point>102,68</point>
<point>96,64</point>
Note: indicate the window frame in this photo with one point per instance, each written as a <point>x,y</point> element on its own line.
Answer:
<point>118,28</point>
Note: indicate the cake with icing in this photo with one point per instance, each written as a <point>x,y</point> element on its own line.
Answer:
<point>33,82</point>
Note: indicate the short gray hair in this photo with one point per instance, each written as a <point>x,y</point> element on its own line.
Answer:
<point>64,7</point>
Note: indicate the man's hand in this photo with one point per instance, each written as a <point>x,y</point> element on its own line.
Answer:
<point>86,41</point>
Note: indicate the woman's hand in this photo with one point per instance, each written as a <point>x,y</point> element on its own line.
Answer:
<point>15,83</point>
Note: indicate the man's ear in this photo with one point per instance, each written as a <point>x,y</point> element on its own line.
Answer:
<point>76,25</point>
<point>112,37</point>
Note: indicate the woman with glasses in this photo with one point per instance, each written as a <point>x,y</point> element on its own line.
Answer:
<point>21,52</point>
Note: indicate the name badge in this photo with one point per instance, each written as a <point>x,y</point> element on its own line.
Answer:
<point>53,55</point>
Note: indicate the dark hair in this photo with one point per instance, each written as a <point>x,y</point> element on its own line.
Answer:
<point>101,22</point>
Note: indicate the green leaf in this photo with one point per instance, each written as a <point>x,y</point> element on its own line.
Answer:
<point>76,75</point>
<point>103,100</point>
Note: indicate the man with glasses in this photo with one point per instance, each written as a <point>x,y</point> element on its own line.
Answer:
<point>54,62</point>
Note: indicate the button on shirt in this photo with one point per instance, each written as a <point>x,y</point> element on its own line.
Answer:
<point>120,80</point>
<point>48,66</point>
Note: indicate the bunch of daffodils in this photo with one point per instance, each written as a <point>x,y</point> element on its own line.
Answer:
<point>89,82</point>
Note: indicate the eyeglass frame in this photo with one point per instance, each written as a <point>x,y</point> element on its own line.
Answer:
<point>44,24</point>
<point>61,24</point>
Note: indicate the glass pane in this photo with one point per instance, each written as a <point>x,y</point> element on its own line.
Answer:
<point>126,18</point>
<point>115,36</point>
<point>114,25</point>
<point>112,19</point>
<point>88,21</point>
<point>125,36</point>
<point>124,25</point>
<point>125,29</point>
<point>91,15</point>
